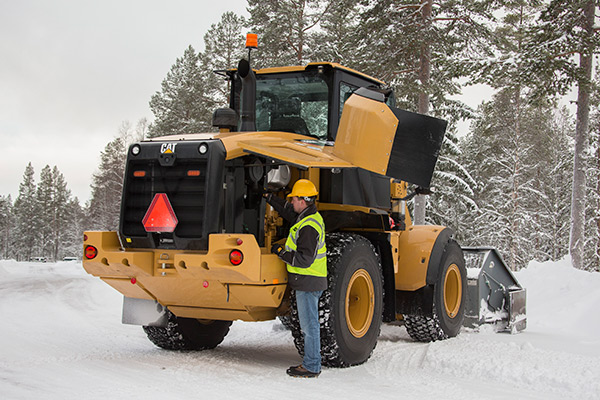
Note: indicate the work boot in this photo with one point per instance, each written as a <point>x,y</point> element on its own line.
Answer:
<point>301,372</point>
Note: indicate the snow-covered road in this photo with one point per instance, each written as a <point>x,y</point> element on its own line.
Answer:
<point>61,338</point>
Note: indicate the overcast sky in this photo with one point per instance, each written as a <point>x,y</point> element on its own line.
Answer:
<point>71,71</point>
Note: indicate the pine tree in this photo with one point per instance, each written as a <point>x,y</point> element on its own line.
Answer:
<point>519,175</point>
<point>337,40</point>
<point>501,177</point>
<point>72,234</point>
<point>286,29</point>
<point>454,194</point>
<point>183,104</point>
<point>567,28</point>
<point>509,72</point>
<point>102,211</point>
<point>503,72</point>
<point>549,167</point>
<point>512,39</point>
<point>52,198</point>
<point>25,239</point>
<point>45,212</point>
<point>223,48</point>
<point>107,185</point>
<point>423,49</point>
<point>60,212</point>
<point>592,227</point>
<point>6,221</point>
<point>37,223</point>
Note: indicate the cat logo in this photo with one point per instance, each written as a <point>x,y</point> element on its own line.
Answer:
<point>167,148</point>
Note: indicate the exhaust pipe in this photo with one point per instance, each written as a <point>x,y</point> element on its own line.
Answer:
<point>248,97</point>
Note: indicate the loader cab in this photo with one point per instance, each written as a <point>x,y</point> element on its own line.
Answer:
<point>305,100</point>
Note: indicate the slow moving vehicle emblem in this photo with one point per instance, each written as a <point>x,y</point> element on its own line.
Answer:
<point>160,216</point>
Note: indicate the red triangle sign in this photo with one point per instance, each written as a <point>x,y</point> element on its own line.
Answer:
<point>160,216</point>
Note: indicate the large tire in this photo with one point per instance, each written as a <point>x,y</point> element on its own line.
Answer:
<point>350,310</point>
<point>188,333</point>
<point>448,300</point>
<point>286,321</point>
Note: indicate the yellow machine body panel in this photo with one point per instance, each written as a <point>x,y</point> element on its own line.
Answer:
<point>366,134</point>
<point>364,140</point>
<point>196,284</point>
<point>413,248</point>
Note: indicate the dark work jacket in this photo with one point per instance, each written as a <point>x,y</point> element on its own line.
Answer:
<point>307,242</point>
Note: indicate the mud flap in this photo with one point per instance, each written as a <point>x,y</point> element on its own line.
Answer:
<point>144,312</point>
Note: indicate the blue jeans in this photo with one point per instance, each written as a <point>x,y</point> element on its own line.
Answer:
<point>308,313</point>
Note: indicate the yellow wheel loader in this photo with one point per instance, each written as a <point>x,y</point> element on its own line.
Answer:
<point>192,251</point>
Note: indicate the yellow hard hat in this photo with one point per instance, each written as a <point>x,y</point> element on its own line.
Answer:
<point>303,188</point>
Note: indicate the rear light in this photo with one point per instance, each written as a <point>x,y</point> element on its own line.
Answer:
<point>90,252</point>
<point>236,257</point>
<point>193,172</point>
<point>139,174</point>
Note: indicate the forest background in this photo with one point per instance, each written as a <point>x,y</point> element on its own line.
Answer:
<point>525,178</point>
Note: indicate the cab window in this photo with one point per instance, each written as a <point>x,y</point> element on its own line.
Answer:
<point>297,104</point>
<point>346,91</point>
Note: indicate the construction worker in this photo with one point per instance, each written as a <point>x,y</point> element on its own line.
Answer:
<point>305,255</point>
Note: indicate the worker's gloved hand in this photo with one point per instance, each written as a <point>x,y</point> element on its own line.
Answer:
<point>276,249</point>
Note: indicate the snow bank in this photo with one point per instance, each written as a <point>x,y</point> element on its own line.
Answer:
<point>561,299</point>
<point>62,339</point>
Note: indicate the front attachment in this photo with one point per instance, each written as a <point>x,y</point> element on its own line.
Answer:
<point>494,295</point>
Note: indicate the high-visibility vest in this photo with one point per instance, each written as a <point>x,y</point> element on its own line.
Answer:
<point>319,266</point>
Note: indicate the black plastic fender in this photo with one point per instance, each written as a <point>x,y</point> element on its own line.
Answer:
<point>433,268</point>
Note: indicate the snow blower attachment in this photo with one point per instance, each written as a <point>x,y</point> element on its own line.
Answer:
<point>493,294</point>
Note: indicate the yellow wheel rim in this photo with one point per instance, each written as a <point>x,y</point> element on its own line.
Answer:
<point>452,290</point>
<point>360,303</point>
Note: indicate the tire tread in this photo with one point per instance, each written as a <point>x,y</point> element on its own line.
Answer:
<point>187,334</point>
<point>429,328</point>
<point>330,347</point>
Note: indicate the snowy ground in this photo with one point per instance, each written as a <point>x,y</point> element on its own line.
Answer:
<point>61,338</point>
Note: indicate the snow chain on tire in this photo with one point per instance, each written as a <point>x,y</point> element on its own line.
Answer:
<point>423,328</point>
<point>188,333</point>
<point>286,321</point>
<point>440,325</point>
<point>347,256</point>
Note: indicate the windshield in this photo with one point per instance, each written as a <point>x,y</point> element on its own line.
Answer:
<point>296,104</point>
